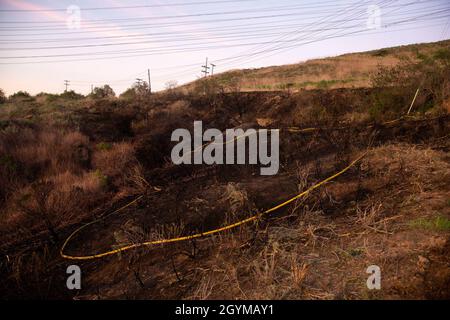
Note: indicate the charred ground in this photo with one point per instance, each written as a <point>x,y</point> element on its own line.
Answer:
<point>65,164</point>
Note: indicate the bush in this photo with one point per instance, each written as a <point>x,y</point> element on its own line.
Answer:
<point>208,87</point>
<point>2,97</point>
<point>388,103</point>
<point>44,182</point>
<point>47,97</point>
<point>71,95</point>
<point>399,84</point>
<point>381,53</point>
<point>138,90</point>
<point>103,92</point>
<point>118,167</point>
<point>128,94</point>
<point>44,152</point>
<point>20,96</point>
<point>46,206</point>
<point>171,85</point>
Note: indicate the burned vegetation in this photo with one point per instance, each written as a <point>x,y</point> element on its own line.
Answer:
<point>105,162</point>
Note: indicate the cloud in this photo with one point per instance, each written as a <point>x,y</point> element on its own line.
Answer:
<point>24,5</point>
<point>97,28</point>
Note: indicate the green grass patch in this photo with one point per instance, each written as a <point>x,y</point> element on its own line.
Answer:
<point>323,84</point>
<point>440,223</point>
<point>353,252</point>
<point>104,180</point>
<point>104,146</point>
<point>264,87</point>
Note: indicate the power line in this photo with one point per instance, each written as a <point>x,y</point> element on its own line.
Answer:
<point>147,25</point>
<point>277,49</point>
<point>177,34</point>
<point>445,29</point>
<point>270,9</point>
<point>194,15</point>
<point>286,48</point>
<point>155,53</point>
<point>180,4</point>
<point>230,36</point>
<point>183,49</point>
<point>352,9</point>
<point>317,5</point>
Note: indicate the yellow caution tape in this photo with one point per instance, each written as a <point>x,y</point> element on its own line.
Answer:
<point>198,235</point>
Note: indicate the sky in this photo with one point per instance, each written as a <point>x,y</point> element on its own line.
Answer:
<point>92,43</point>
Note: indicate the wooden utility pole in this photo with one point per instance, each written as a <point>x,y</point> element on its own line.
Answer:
<point>66,83</point>
<point>205,68</point>
<point>149,82</point>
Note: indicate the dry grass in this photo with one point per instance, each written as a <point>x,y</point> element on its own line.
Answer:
<point>273,272</point>
<point>49,157</point>
<point>48,183</point>
<point>348,71</point>
<point>422,166</point>
<point>308,255</point>
<point>87,181</point>
<point>118,166</point>
<point>237,202</point>
<point>55,151</point>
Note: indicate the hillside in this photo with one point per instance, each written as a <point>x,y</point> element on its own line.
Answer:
<point>363,180</point>
<point>346,71</point>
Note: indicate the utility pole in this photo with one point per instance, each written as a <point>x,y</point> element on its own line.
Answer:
<point>66,83</point>
<point>92,88</point>
<point>212,68</point>
<point>205,68</point>
<point>149,82</point>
